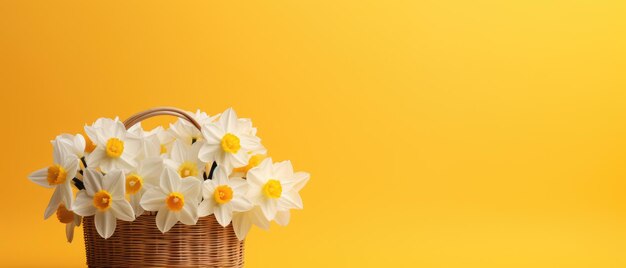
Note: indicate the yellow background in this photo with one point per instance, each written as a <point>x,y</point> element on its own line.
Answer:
<point>438,133</point>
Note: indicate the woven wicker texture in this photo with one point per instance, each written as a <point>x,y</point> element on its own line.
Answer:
<point>141,244</point>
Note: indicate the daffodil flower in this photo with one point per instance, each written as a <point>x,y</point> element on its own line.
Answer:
<point>104,197</point>
<point>150,145</point>
<point>75,144</point>
<point>226,142</point>
<point>175,200</point>
<point>274,187</point>
<point>146,175</point>
<point>70,219</point>
<point>184,159</point>
<point>300,179</point>
<point>223,196</point>
<point>90,131</point>
<point>58,176</point>
<point>115,148</point>
<point>188,133</point>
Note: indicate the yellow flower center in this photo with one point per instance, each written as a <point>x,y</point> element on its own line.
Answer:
<point>175,201</point>
<point>272,189</point>
<point>102,200</point>
<point>115,147</point>
<point>64,215</point>
<point>163,149</point>
<point>254,161</point>
<point>223,194</point>
<point>134,183</point>
<point>56,175</point>
<point>89,145</point>
<point>230,143</point>
<point>187,169</point>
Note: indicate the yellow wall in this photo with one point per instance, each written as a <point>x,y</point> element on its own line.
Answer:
<point>438,133</point>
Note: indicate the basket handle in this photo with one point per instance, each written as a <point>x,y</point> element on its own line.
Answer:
<point>138,117</point>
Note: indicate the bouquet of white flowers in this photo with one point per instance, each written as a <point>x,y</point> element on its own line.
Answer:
<point>201,166</point>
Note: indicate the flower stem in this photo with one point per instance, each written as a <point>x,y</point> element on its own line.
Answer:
<point>78,183</point>
<point>82,159</point>
<point>212,170</point>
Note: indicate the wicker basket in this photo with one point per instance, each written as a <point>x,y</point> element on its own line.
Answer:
<point>141,244</point>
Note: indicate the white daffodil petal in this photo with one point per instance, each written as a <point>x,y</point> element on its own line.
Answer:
<point>170,181</point>
<point>126,161</point>
<point>205,208</point>
<point>79,143</point>
<point>92,180</point>
<point>290,200</point>
<point>55,201</point>
<point>301,179</point>
<point>71,166</point>
<point>96,157</point>
<point>283,169</point>
<point>208,188</point>
<point>58,152</point>
<point>261,173</point>
<point>188,215</point>
<point>287,184</point>
<point>245,124</point>
<point>258,219</point>
<point>269,209</point>
<point>208,152</point>
<point>117,130</point>
<point>212,133</point>
<point>122,210</point>
<point>92,134</point>
<point>84,204</point>
<point>153,199</point>
<point>190,187</point>
<point>178,152</point>
<point>240,204</point>
<point>77,220</point>
<point>151,169</point>
<point>169,163</point>
<point>108,164</point>
<point>223,214</point>
<point>201,166</point>
<point>132,146</point>
<point>165,219</point>
<point>105,223</point>
<point>102,139</point>
<point>115,183</point>
<point>255,195</point>
<point>135,200</point>
<point>239,185</point>
<point>249,142</point>
<point>241,225</point>
<point>40,177</point>
<point>238,159</point>
<point>136,129</point>
<point>74,144</point>
<point>192,153</point>
<point>229,120</point>
<point>220,158</point>
<point>69,232</point>
<point>151,146</point>
<point>66,194</point>
<point>220,176</point>
<point>282,217</point>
